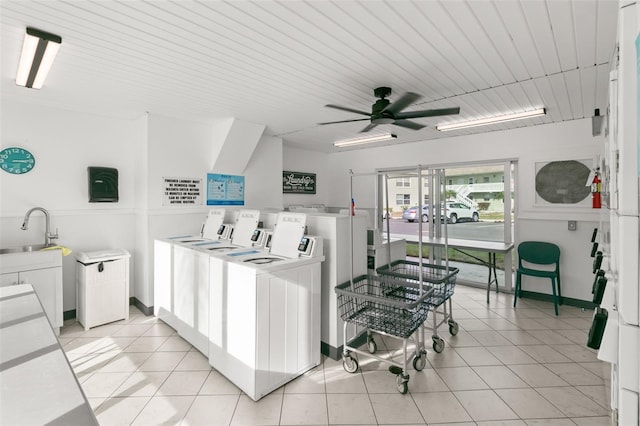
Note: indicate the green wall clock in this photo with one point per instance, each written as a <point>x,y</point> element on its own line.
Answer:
<point>16,161</point>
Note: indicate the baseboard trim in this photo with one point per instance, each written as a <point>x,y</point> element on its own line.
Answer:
<point>564,300</point>
<point>336,353</point>
<point>147,310</point>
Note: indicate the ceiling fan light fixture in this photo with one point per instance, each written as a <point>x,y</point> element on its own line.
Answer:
<point>492,120</point>
<point>364,140</point>
<point>39,49</point>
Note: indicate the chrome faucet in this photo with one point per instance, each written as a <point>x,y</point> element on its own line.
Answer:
<point>48,236</point>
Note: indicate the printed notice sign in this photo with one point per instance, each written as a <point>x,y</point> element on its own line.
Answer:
<point>298,183</point>
<point>181,192</point>
<point>225,190</point>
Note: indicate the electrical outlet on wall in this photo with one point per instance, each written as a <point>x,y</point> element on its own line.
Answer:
<point>573,225</point>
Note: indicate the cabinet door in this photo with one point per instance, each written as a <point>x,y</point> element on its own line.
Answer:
<point>48,286</point>
<point>8,279</point>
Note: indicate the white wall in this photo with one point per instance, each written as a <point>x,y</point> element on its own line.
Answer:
<point>300,160</point>
<point>561,141</point>
<point>178,148</point>
<point>263,175</point>
<point>144,151</point>
<point>64,144</point>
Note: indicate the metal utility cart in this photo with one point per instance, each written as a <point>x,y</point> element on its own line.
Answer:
<point>435,273</point>
<point>441,280</point>
<point>387,306</point>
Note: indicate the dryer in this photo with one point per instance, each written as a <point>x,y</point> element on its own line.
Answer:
<point>264,314</point>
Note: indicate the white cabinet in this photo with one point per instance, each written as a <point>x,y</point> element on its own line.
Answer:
<point>102,287</point>
<point>43,270</point>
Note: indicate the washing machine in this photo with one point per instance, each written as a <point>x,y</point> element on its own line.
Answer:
<point>181,273</point>
<point>265,309</point>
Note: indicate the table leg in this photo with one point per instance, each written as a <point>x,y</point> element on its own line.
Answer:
<point>493,274</point>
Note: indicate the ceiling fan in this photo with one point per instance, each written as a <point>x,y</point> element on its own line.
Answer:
<point>385,112</point>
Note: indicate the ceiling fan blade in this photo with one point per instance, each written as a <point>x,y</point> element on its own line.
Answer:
<point>428,113</point>
<point>344,121</point>
<point>348,109</point>
<point>369,127</point>
<point>402,102</point>
<point>408,124</point>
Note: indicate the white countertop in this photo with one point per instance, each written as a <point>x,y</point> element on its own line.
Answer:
<point>38,383</point>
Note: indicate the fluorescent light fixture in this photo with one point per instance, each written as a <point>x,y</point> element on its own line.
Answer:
<point>38,52</point>
<point>365,139</point>
<point>492,120</point>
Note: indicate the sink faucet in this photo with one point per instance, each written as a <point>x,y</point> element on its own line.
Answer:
<point>48,236</point>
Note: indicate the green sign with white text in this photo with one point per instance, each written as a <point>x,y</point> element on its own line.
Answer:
<point>298,183</point>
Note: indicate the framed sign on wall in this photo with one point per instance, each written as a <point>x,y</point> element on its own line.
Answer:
<point>181,191</point>
<point>298,183</point>
<point>225,190</point>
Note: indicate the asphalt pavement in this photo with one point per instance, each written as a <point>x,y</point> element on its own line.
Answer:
<point>482,230</point>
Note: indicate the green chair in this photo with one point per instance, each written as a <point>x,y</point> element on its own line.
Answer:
<point>539,253</point>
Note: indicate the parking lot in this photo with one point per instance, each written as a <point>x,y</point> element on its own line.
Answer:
<point>482,230</point>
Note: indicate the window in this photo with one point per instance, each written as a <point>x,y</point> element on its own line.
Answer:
<point>403,182</point>
<point>488,217</point>
<point>403,199</point>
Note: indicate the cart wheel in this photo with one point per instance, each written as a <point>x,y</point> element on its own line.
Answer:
<point>349,364</point>
<point>419,362</point>
<point>372,347</point>
<point>438,344</point>
<point>453,328</point>
<point>402,383</point>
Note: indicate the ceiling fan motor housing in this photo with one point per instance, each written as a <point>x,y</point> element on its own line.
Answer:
<point>382,92</point>
<point>378,116</point>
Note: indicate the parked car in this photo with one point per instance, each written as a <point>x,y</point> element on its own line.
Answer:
<point>411,214</point>
<point>456,211</point>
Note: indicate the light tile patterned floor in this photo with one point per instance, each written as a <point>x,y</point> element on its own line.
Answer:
<point>506,366</point>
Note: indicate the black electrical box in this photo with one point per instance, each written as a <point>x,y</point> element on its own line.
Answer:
<point>103,185</point>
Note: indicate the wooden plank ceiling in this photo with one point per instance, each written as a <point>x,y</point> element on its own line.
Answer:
<point>279,62</point>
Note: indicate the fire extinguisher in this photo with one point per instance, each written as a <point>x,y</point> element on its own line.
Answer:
<point>596,201</point>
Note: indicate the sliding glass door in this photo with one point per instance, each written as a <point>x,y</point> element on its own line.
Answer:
<point>464,202</point>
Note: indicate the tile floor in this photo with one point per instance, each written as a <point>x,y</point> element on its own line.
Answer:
<point>506,366</point>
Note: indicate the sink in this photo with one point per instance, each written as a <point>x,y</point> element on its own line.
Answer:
<point>23,249</point>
